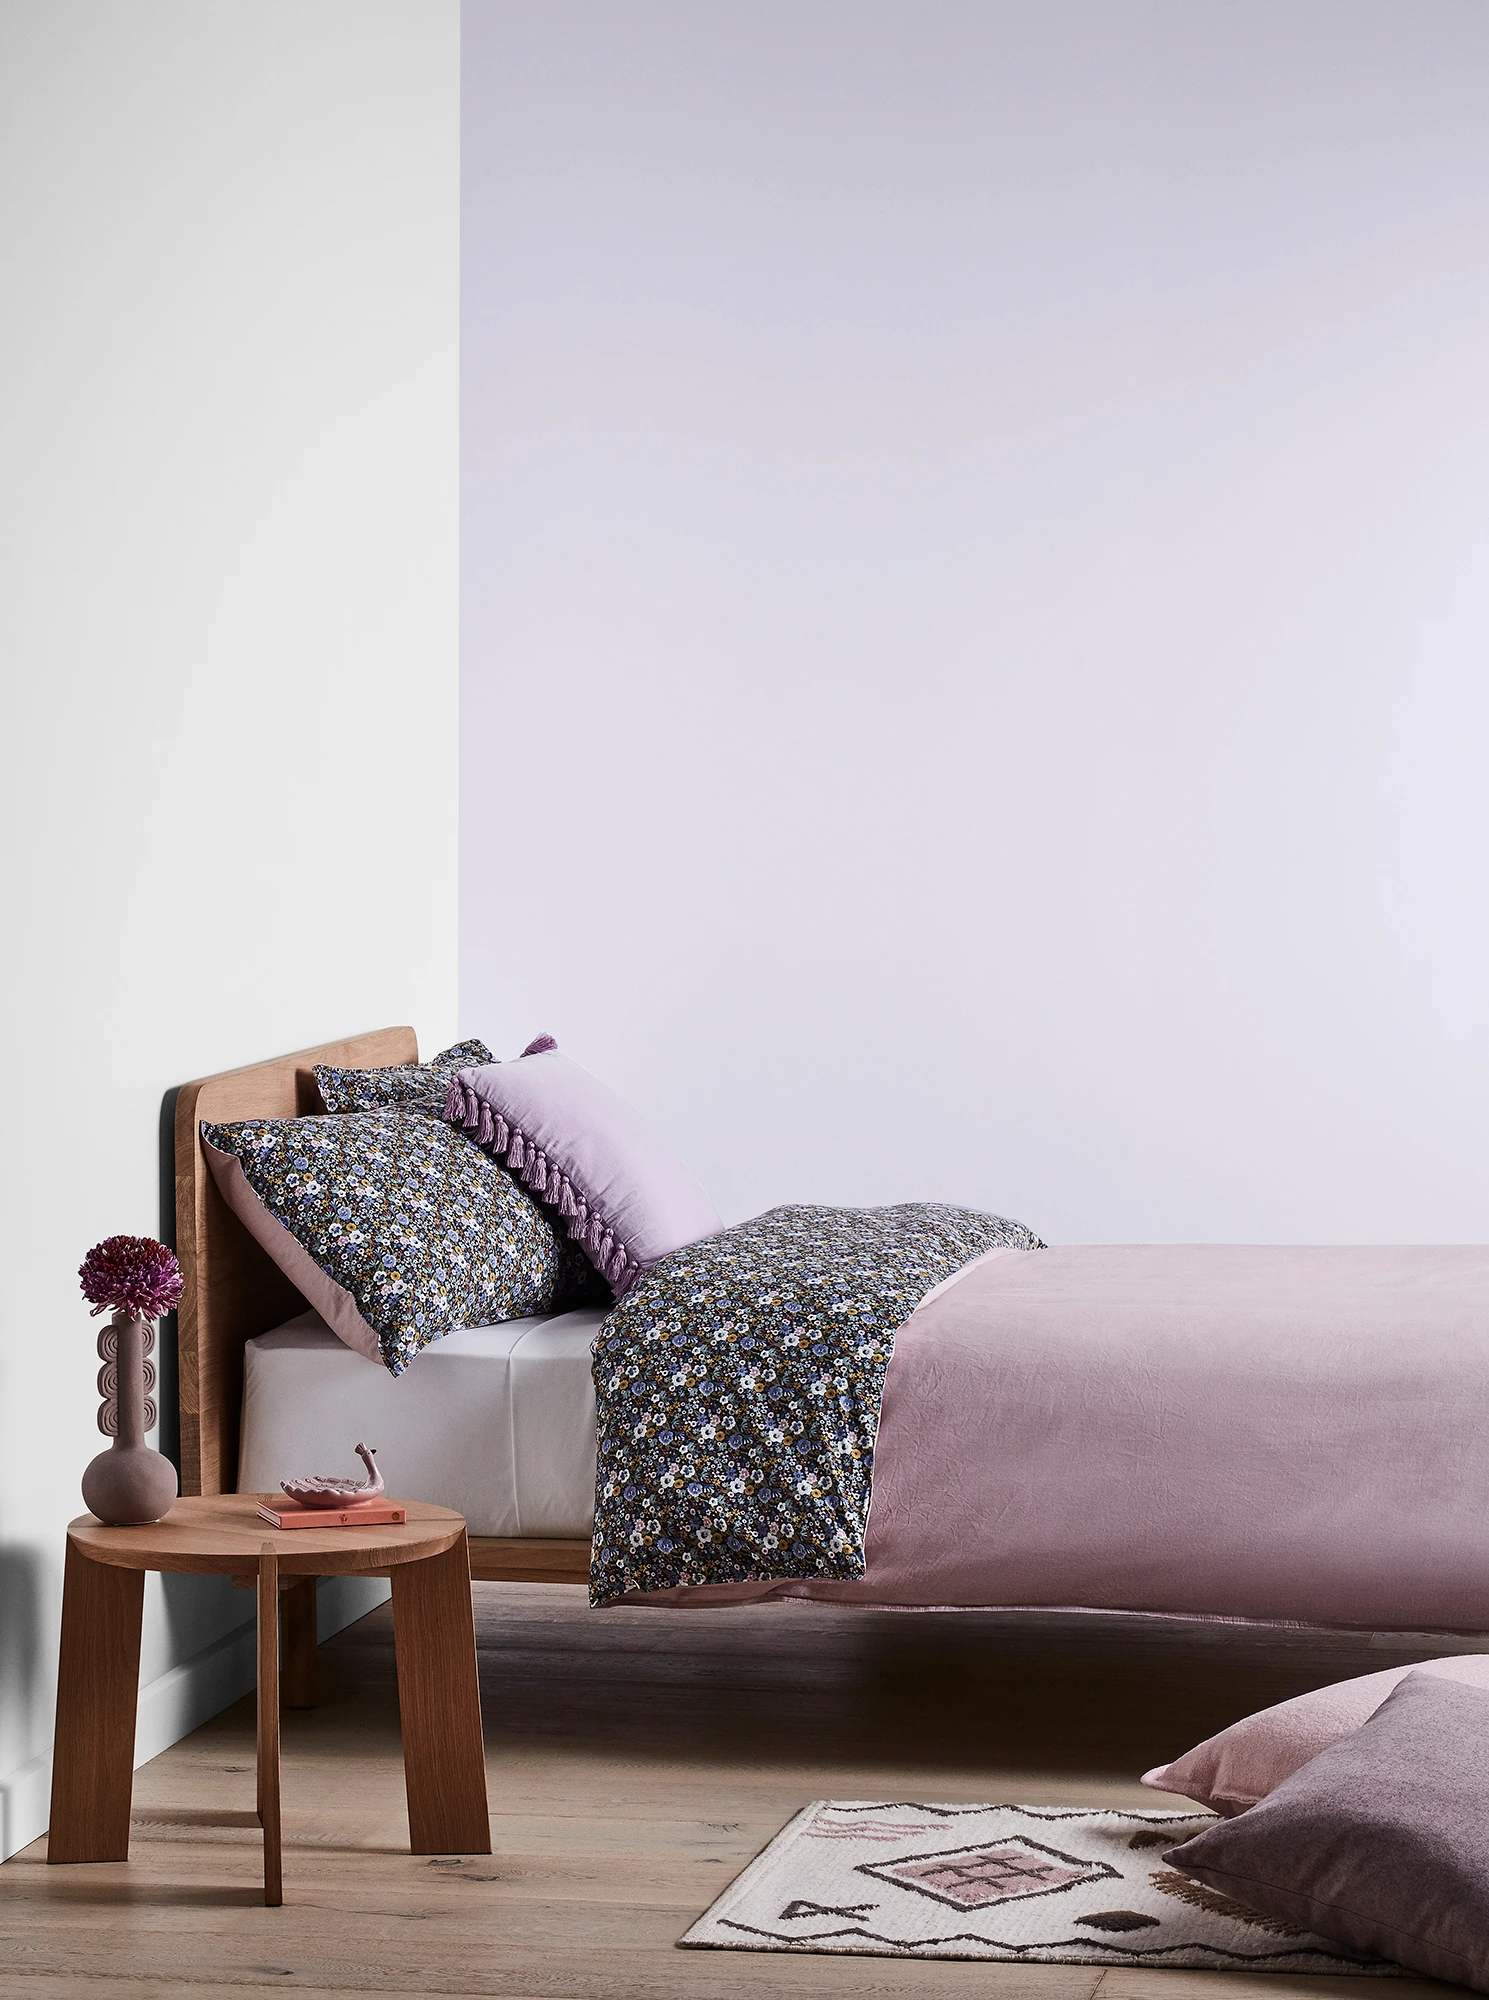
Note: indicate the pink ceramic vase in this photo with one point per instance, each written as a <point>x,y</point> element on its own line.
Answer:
<point>129,1483</point>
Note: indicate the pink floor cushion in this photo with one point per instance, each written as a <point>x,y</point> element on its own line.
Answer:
<point>1231,1771</point>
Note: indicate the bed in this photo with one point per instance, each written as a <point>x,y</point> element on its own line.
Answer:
<point>1283,1435</point>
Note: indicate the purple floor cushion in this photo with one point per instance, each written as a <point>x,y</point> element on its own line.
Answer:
<point>1381,1842</point>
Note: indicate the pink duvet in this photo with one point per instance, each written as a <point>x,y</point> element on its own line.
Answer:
<point>1288,1434</point>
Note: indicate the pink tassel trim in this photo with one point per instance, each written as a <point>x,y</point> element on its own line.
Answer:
<point>471,1112</point>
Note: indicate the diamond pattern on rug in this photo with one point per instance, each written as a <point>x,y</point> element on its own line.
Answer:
<point>1033,1885</point>
<point>975,1878</point>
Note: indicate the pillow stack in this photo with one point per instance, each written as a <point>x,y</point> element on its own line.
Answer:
<point>1357,1812</point>
<point>399,1224</point>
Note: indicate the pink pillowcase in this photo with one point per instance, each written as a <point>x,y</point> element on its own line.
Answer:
<point>621,1192</point>
<point>1231,1771</point>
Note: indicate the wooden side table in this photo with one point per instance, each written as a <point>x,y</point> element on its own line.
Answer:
<point>439,1701</point>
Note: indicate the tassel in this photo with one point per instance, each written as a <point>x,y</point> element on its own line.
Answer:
<point>566,1205</point>
<point>537,1173</point>
<point>485,1131</point>
<point>454,1111</point>
<point>515,1153</point>
<point>541,1046</point>
<point>501,1134</point>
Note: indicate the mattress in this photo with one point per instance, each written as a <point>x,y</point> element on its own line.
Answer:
<point>497,1422</point>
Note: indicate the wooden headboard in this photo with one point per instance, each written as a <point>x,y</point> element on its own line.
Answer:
<point>232,1291</point>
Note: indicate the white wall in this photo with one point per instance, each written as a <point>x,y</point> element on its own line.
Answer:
<point>228,517</point>
<point>976,596</point>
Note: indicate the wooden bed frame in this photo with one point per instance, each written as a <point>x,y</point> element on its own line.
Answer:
<point>233,1291</point>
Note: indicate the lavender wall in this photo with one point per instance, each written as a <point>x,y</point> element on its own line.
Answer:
<point>975,608</point>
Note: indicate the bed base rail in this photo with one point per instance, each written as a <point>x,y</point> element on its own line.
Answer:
<point>518,1559</point>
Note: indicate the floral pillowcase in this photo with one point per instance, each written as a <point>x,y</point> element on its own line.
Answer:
<point>393,1225</point>
<point>412,1086</point>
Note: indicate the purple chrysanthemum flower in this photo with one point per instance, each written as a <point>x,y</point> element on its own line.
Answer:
<point>132,1274</point>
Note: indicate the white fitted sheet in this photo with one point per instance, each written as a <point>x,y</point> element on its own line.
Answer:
<point>495,1421</point>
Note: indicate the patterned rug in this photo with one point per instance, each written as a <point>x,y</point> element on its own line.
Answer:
<point>1038,1885</point>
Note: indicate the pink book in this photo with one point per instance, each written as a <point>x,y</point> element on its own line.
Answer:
<point>375,1514</point>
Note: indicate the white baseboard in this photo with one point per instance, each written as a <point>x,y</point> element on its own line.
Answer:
<point>25,1798</point>
<point>180,1700</point>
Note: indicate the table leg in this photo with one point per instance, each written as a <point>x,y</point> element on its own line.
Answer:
<point>297,1612</point>
<point>439,1704</point>
<point>98,1684</point>
<point>268,1723</point>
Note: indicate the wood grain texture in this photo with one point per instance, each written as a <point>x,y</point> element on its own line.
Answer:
<point>268,1725</point>
<point>297,1625</point>
<point>439,1704</point>
<point>221,1534</point>
<point>231,1289</point>
<point>528,1559</point>
<point>98,1681</point>
<point>638,1759</point>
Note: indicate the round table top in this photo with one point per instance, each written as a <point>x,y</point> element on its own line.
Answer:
<point>224,1534</point>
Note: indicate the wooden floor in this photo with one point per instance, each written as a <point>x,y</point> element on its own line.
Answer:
<point>637,1760</point>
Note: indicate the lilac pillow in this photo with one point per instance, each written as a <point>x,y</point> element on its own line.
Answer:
<point>1231,1771</point>
<point>623,1195</point>
<point>1380,1843</point>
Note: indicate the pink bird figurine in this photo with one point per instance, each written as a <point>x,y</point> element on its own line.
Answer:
<point>322,1490</point>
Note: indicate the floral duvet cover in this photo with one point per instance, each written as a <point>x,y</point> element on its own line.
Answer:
<point>738,1387</point>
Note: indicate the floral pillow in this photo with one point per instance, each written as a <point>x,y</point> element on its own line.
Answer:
<point>413,1086</point>
<point>394,1226</point>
